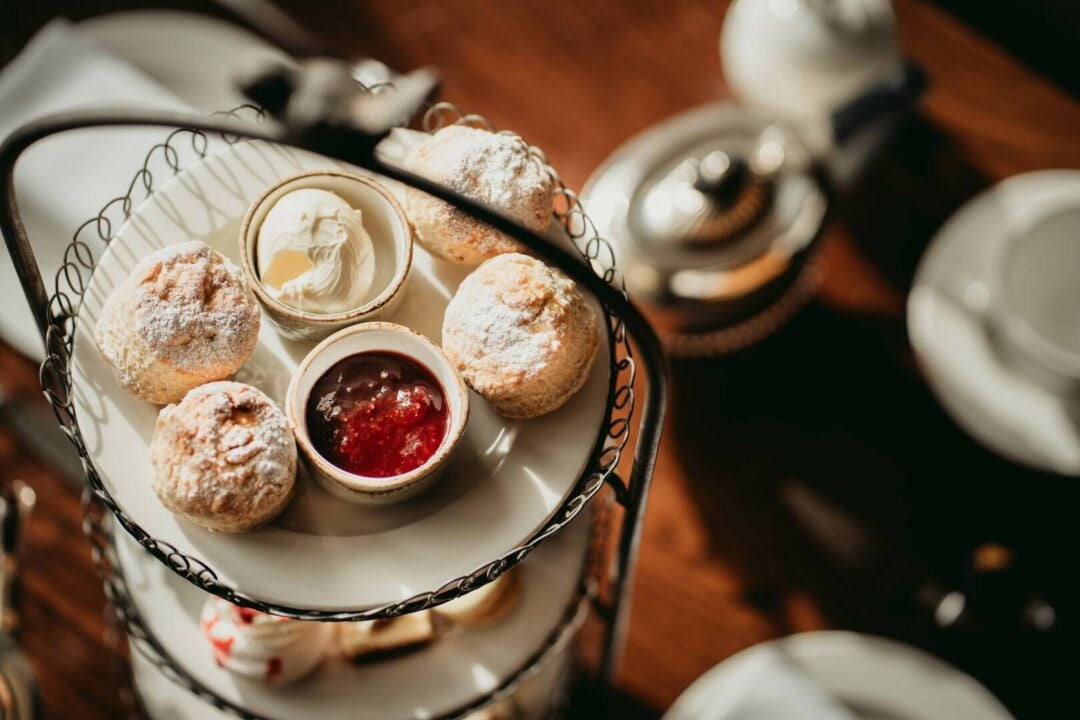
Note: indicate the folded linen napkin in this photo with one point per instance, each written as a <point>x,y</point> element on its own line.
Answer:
<point>66,179</point>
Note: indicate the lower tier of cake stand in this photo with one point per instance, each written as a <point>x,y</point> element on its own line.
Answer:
<point>517,667</point>
<point>540,697</point>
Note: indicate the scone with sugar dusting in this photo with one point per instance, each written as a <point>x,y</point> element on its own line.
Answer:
<point>521,335</point>
<point>224,457</point>
<point>183,317</point>
<point>496,169</point>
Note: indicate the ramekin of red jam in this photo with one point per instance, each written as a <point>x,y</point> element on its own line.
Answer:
<point>377,409</point>
<point>377,414</point>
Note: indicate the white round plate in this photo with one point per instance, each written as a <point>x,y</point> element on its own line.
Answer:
<point>871,678</point>
<point>997,405</point>
<point>436,679</point>
<point>505,481</point>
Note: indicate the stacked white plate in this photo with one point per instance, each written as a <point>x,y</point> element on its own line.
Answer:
<point>453,671</point>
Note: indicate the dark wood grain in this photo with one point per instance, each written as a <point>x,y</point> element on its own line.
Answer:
<point>834,401</point>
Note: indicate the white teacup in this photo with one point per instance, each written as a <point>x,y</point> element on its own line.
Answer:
<point>1034,300</point>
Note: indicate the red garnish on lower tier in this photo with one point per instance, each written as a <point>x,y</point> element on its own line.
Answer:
<point>377,414</point>
<point>222,648</point>
<point>246,615</point>
<point>273,669</point>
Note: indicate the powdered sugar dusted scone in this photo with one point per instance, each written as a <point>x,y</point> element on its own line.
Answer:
<point>185,316</point>
<point>254,645</point>
<point>484,604</point>
<point>367,638</point>
<point>521,335</point>
<point>224,457</point>
<point>495,169</point>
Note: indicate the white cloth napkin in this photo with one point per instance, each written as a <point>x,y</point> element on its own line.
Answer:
<point>64,180</point>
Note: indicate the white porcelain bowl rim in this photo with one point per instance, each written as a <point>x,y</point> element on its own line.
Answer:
<point>375,337</point>
<point>401,238</point>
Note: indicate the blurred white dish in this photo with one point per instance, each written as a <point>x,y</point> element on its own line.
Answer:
<point>802,59</point>
<point>871,677</point>
<point>981,387</point>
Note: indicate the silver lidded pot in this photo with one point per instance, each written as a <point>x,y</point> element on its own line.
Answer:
<point>708,213</point>
<point>715,213</point>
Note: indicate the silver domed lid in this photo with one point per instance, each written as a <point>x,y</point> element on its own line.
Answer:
<point>707,210</point>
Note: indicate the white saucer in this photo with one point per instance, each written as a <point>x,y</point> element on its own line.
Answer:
<point>436,679</point>
<point>504,482</point>
<point>871,677</point>
<point>998,406</point>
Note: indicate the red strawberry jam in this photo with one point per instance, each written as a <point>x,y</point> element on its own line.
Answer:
<point>377,414</point>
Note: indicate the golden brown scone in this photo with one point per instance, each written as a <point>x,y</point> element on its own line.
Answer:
<point>368,638</point>
<point>224,457</point>
<point>495,169</point>
<point>185,316</point>
<point>485,604</point>
<point>521,335</point>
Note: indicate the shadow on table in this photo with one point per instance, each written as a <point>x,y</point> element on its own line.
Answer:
<point>911,188</point>
<point>832,412</point>
<point>588,702</point>
<point>831,420</point>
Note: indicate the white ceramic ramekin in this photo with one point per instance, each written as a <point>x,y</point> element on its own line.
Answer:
<point>390,233</point>
<point>375,337</point>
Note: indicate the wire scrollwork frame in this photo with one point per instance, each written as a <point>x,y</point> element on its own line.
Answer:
<point>72,280</point>
<point>169,157</point>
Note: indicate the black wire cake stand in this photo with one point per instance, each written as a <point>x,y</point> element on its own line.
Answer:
<point>606,583</point>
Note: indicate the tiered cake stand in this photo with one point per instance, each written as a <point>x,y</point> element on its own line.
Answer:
<point>513,489</point>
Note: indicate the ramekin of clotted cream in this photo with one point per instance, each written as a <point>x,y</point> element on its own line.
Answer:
<point>325,249</point>
<point>314,254</point>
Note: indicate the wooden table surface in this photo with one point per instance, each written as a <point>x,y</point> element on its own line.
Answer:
<point>832,405</point>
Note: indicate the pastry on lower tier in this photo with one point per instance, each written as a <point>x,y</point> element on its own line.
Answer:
<point>224,457</point>
<point>521,335</point>
<point>257,646</point>
<point>484,604</point>
<point>497,169</point>
<point>387,635</point>
<point>183,317</point>
<point>501,710</point>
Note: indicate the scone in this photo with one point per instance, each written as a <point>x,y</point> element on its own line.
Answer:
<point>257,646</point>
<point>368,638</point>
<point>224,457</point>
<point>521,335</point>
<point>484,604</point>
<point>495,169</point>
<point>185,316</point>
